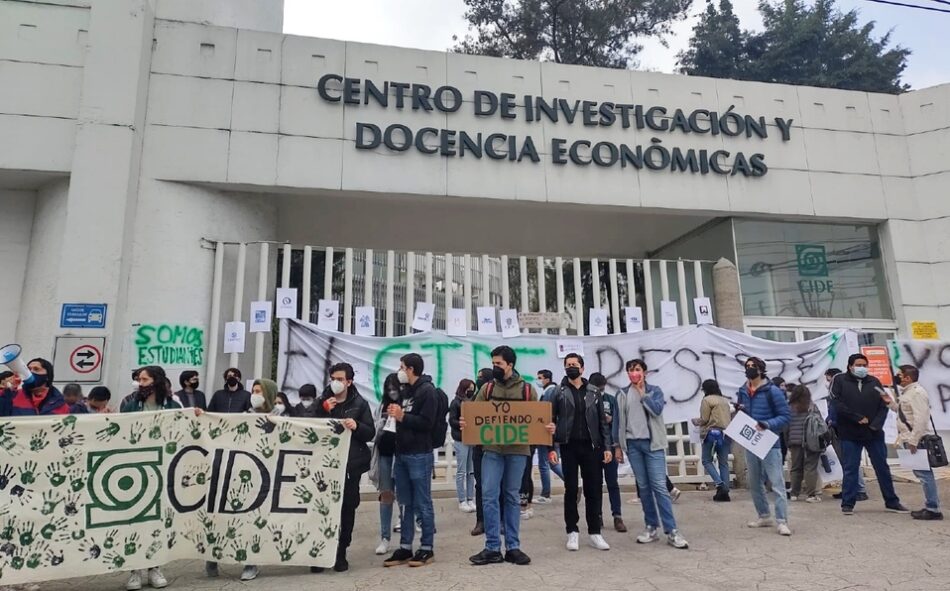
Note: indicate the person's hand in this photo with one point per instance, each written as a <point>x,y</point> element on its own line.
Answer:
<point>695,422</point>
<point>330,403</point>
<point>618,453</point>
<point>886,397</point>
<point>760,426</point>
<point>552,458</point>
<point>198,412</point>
<point>610,419</point>
<point>396,412</point>
<point>461,423</point>
<point>608,457</point>
<point>550,428</point>
<point>349,424</point>
<point>864,421</point>
<point>912,448</point>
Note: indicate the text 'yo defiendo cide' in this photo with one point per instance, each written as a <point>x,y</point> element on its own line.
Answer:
<point>506,423</point>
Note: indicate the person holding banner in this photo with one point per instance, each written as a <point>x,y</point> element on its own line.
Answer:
<point>579,425</point>
<point>639,425</point>
<point>233,397</point>
<point>766,404</point>
<point>860,407</point>
<point>381,464</point>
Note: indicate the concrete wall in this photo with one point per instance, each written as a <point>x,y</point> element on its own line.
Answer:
<point>16,226</point>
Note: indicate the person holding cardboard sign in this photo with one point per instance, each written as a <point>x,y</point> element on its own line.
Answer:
<point>502,465</point>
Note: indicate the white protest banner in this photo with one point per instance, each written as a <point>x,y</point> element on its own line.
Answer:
<point>703,308</point>
<point>328,315</point>
<point>93,494</point>
<point>287,303</point>
<point>234,337</point>
<point>425,312</point>
<point>742,430</point>
<point>679,359</point>
<point>597,318</point>
<point>634,317</point>
<point>261,316</point>
<point>932,358</point>
<point>486,320</point>
<point>669,317</point>
<point>366,321</point>
<point>455,324</point>
<point>509,323</point>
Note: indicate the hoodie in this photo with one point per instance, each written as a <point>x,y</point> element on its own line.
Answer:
<point>269,389</point>
<point>414,431</point>
<point>354,407</point>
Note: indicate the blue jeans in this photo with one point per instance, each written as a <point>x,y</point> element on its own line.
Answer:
<point>851,463</point>
<point>413,474</point>
<point>613,487</point>
<point>770,468</point>
<point>927,480</point>
<point>720,477</point>
<point>464,472</point>
<point>499,471</point>
<point>386,485</point>
<point>649,467</point>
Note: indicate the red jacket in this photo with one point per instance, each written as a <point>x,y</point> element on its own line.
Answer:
<point>21,404</point>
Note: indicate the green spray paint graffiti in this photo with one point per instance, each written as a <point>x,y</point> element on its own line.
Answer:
<point>170,345</point>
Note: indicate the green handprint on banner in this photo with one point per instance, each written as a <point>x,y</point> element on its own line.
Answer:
<point>256,544</point>
<point>330,441</point>
<point>317,549</point>
<point>38,441</point>
<point>131,545</point>
<point>135,432</point>
<point>276,533</point>
<point>318,479</point>
<point>260,522</point>
<point>114,560</point>
<point>231,532</point>
<point>109,431</point>
<point>7,430</point>
<point>26,534</point>
<point>153,549</point>
<point>335,491</point>
<point>70,460</point>
<point>50,501</point>
<point>265,449</point>
<point>68,422</point>
<point>240,551</point>
<point>70,507</point>
<point>284,550</point>
<point>54,474</point>
<point>331,462</point>
<point>196,475</point>
<point>217,552</point>
<point>36,557</point>
<point>77,482</point>
<point>283,433</point>
<point>237,500</point>
<point>171,444</point>
<point>9,530</point>
<point>17,560</point>
<point>303,468</point>
<point>155,429</point>
<point>109,542</point>
<point>211,537</point>
<point>195,429</point>
<point>71,439</point>
<point>328,530</point>
<point>302,493</point>
<point>242,432</point>
<point>321,507</point>
<point>27,473</point>
<point>218,429</point>
<point>50,530</point>
<point>205,520</point>
<point>78,534</point>
<point>300,535</point>
<point>169,518</point>
<point>310,436</point>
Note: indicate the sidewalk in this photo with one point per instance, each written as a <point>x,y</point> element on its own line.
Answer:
<point>828,551</point>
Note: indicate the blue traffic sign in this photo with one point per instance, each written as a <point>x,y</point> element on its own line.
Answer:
<point>83,316</point>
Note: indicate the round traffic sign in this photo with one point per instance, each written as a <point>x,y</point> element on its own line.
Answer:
<point>85,359</point>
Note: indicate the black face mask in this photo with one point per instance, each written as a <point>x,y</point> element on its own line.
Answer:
<point>498,373</point>
<point>39,381</point>
<point>194,385</point>
<point>146,391</point>
<point>232,382</point>
<point>751,372</point>
<point>573,373</point>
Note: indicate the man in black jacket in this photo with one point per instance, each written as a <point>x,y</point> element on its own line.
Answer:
<point>189,395</point>
<point>857,400</point>
<point>413,464</point>
<point>341,400</point>
<point>579,425</point>
<point>233,398</point>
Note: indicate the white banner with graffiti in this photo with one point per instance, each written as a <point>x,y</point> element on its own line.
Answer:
<point>932,358</point>
<point>90,494</point>
<point>679,359</point>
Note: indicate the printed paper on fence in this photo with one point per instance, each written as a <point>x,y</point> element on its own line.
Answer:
<point>89,494</point>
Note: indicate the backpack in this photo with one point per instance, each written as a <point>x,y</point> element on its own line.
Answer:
<point>441,421</point>
<point>816,434</point>
<point>491,386</point>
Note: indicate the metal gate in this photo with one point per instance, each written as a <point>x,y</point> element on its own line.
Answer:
<point>393,281</point>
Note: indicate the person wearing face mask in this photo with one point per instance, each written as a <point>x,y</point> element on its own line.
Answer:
<point>342,401</point>
<point>483,377</point>
<point>307,407</point>
<point>579,425</point>
<point>98,401</point>
<point>381,464</point>
<point>715,414</point>
<point>832,420</point>
<point>233,397</point>
<point>465,471</point>
<point>638,426</point>
<point>264,398</point>
<point>282,406</point>
<point>34,397</point>
<point>766,404</point>
<point>190,396</point>
<point>860,407</point>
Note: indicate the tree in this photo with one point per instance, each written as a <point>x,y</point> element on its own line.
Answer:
<point>812,45</point>
<point>586,32</point>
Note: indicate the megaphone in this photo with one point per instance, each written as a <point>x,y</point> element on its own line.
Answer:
<point>10,356</point>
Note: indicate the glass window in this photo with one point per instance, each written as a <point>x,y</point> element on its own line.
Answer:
<point>781,336</point>
<point>811,270</point>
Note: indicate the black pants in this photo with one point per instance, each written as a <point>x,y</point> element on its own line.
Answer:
<point>351,500</point>
<point>527,483</point>
<point>477,462</point>
<point>582,455</point>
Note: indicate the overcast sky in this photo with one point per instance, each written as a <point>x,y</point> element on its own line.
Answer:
<point>430,24</point>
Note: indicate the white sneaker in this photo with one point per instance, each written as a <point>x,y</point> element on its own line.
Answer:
<point>783,529</point>
<point>249,573</point>
<point>472,507</point>
<point>676,540</point>
<point>649,535</point>
<point>793,498</point>
<point>418,528</point>
<point>542,500</point>
<point>572,541</point>
<point>527,513</point>
<point>156,579</point>
<point>135,581</point>
<point>464,507</point>
<point>634,500</point>
<point>761,522</point>
<point>675,494</point>
<point>813,499</point>
<point>383,547</point>
<point>597,541</point>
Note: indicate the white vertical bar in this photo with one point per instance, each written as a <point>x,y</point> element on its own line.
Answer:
<point>614,295</point>
<point>429,285</point>
<point>664,281</point>
<point>578,299</point>
<point>486,284</point>
<point>448,284</point>
<point>410,289</point>
<point>328,274</point>
<point>210,378</point>
<point>631,285</point>
<point>368,268</point>
<point>307,278</point>
<point>595,281</point>
<point>542,296</point>
<point>505,296</point>
<point>261,295</point>
<point>347,289</point>
<point>239,294</point>
<point>390,296</point>
<point>467,270</point>
<point>285,268</point>
<point>523,275</point>
<point>698,279</point>
<point>684,299</point>
<point>648,293</point>
<point>559,274</point>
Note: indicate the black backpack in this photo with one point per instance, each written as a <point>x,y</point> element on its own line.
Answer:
<point>441,419</point>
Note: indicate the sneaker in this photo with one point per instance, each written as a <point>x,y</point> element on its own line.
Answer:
<point>486,556</point>
<point>783,529</point>
<point>400,556</point>
<point>675,494</point>
<point>479,529</point>
<point>518,557</point>
<point>418,527</point>
<point>543,500</point>
<point>572,541</point>
<point>813,499</point>
<point>761,522</point>
<point>793,498</point>
<point>397,528</point>
<point>927,515</point>
<point>847,510</point>
<point>527,513</point>
<point>649,535</point>
<point>422,558</point>
<point>619,525</point>
<point>211,569</point>
<point>862,496</point>
<point>635,500</point>
<point>156,579</point>
<point>249,573</point>
<point>837,495</point>
<point>598,542</point>
<point>896,508</point>
<point>722,495</point>
<point>383,547</point>
<point>675,539</point>
<point>135,581</point>
<point>342,565</point>
<point>471,506</point>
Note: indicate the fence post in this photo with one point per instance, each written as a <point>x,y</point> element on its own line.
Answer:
<point>727,302</point>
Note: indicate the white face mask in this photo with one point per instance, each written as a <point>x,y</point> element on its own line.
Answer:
<point>257,401</point>
<point>337,387</point>
<point>403,376</point>
<point>279,409</point>
<point>306,402</point>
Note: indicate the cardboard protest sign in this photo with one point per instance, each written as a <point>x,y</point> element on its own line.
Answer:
<point>503,422</point>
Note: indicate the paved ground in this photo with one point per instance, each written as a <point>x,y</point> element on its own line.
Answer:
<point>828,551</point>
